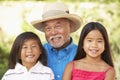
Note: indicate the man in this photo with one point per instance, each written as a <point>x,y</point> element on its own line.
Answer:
<point>58,24</point>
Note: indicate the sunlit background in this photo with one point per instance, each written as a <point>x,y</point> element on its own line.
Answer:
<point>16,15</point>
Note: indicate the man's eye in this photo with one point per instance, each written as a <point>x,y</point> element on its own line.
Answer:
<point>47,29</point>
<point>58,26</point>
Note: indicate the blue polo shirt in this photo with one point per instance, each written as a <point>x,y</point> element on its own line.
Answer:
<point>57,60</point>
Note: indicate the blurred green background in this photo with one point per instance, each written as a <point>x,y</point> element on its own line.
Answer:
<point>16,15</point>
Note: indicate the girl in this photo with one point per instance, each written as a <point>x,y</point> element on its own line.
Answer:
<point>93,60</point>
<point>28,59</point>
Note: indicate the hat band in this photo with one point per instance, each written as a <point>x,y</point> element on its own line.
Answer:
<point>54,13</point>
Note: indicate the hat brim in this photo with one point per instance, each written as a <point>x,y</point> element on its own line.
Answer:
<point>77,20</point>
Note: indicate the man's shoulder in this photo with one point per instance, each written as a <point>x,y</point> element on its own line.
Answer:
<point>73,45</point>
<point>46,45</point>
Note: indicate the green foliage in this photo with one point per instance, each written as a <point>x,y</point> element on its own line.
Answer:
<point>5,44</point>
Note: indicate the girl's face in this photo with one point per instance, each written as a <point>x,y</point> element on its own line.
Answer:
<point>94,44</point>
<point>30,52</point>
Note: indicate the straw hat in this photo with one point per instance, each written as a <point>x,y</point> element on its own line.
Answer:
<point>54,11</point>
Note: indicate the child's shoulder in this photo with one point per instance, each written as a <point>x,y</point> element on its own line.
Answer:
<point>9,72</point>
<point>110,73</point>
<point>109,69</point>
<point>39,67</point>
<point>81,61</point>
<point>75,62</point>
<point>106,66</point>
<point>46,69</point>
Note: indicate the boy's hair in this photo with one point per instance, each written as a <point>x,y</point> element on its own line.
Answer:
<point>17,46</point>
<point>106,55</point>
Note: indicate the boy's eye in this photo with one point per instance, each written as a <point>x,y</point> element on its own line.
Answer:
<point>24,47</point>
<point>33,46</point>
<point>100,41</point>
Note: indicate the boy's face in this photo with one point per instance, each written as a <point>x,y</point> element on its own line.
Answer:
<point>30,52</point>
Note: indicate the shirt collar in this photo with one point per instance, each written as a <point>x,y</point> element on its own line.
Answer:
<point>21,67</point>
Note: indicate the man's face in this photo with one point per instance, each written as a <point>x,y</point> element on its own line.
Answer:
<point>57,32</point>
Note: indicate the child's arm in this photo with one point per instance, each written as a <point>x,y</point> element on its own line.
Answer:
<point>67,72</point>
<point>110,75</point>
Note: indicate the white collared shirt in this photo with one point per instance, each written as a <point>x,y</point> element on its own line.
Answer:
<point>37,72</point>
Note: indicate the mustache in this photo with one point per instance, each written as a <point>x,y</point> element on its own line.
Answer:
<point>56,36</point>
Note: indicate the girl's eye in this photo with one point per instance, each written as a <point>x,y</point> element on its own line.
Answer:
<point>89,40</point>
<point>100,41</point>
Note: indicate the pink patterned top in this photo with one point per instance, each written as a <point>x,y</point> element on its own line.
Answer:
<point>78,74</point>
